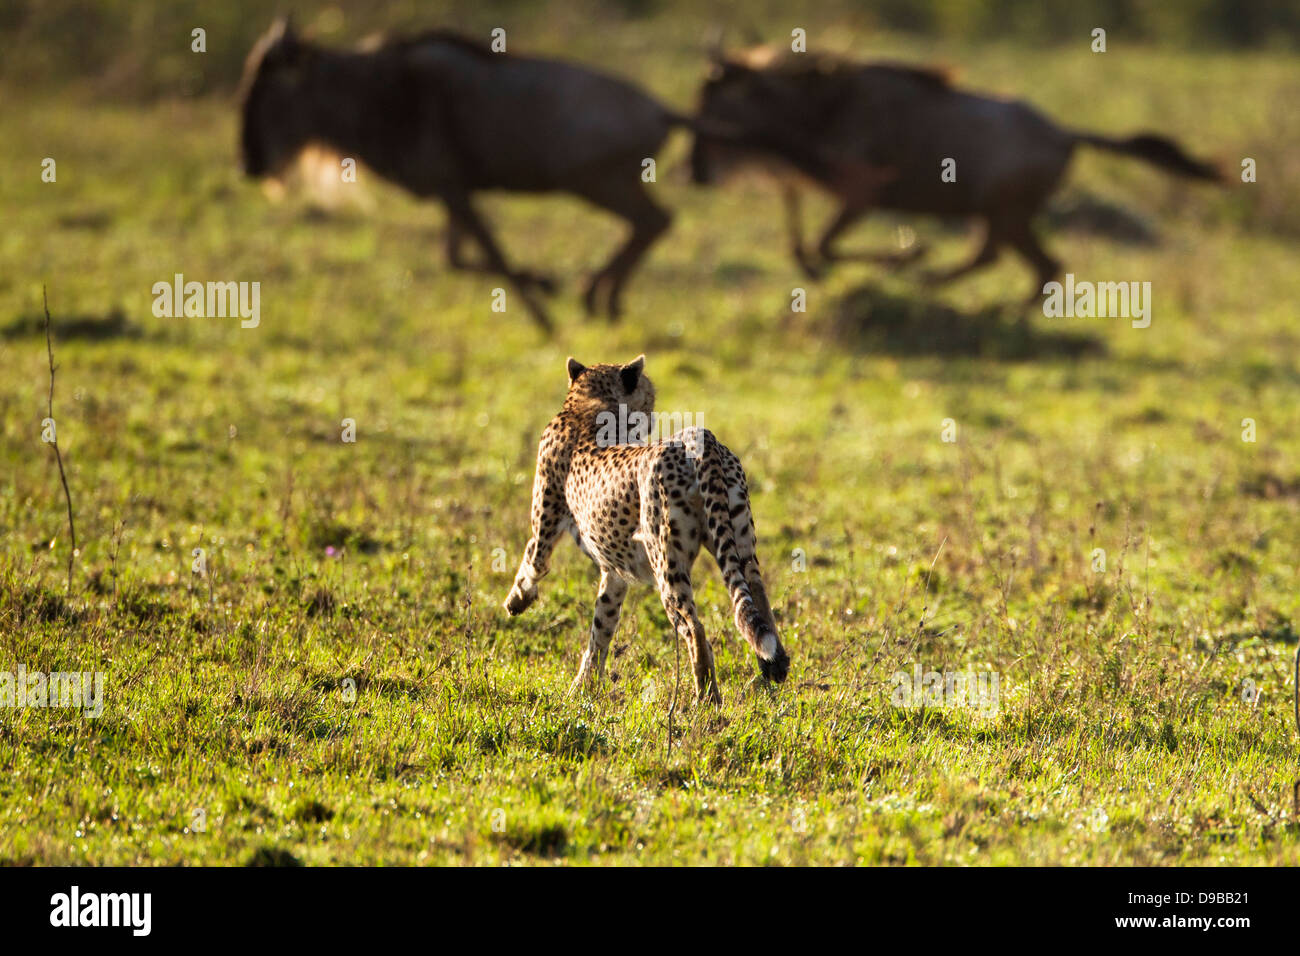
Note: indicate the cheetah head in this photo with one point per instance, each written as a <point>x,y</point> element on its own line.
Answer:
<point>604,387</point>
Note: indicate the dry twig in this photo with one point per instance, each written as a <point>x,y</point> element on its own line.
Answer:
<point>58,456</point>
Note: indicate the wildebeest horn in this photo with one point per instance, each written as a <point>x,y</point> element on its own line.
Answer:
<point>282,30</point>
<point>714,47</point>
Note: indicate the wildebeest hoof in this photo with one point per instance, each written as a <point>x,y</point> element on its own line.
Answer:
<point>1030,302</point>
<point>811,269</point>
<point>544,283</point>
<point>539,316</point>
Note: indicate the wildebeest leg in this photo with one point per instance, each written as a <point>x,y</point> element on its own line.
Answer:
<point>986,256</point>
<point>794,228</point>
<point>455,241</point>
<point>848,215</point>
<point>623,194</point>
<point>1020,236</point>
<point>456,235</point>
<point>460,208</point>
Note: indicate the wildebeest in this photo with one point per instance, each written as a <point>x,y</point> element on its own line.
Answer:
<point>1008,157</point>
<point>446,117</point>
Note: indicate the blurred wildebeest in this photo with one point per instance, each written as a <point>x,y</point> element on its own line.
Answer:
<point>1009,158</point>
<point>445,117</point>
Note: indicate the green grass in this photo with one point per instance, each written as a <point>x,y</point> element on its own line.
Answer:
<point>1123,736</point>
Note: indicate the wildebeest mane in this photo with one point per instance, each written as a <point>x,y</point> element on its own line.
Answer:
<point>936,77</point>
<point>445,36</point>
<point>830,64</point>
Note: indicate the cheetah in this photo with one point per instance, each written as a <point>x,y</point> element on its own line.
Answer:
<point>641,511</point>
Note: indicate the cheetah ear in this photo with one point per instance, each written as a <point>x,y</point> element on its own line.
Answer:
<point>575,368</point>
<point>631,373</point>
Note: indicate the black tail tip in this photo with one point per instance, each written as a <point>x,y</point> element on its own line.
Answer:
<point>777,668</point>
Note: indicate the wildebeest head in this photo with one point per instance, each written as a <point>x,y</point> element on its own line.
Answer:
<point>757,91</point>
<point>274,126</point>
<point>730,94</point>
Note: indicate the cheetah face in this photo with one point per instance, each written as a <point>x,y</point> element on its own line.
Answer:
<point>605,387</point>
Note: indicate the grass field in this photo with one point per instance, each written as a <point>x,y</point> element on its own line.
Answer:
<point>1145,712</point>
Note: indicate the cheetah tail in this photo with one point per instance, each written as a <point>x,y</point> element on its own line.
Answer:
<point>725,505</point>
<point>759,627</point>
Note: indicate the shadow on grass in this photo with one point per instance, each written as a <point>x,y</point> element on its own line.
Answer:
<point>95,220</point>
<point>90,328</point>
<point>869,319</point>
<point>393,688</point>
<point>1088,214</point>
<point>1270,486</point>
<point>271,856</point>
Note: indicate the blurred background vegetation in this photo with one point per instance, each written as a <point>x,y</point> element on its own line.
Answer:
<point>123,48</point>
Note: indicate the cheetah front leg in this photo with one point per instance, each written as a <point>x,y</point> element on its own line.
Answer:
<point>531,570</point>
<point>537,559</point>
<point>550,519</point>
<point>604,622</point>
<point>536,562</point>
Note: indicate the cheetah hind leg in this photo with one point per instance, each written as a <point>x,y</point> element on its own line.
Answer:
<point>706,676</point>
<point>670,561</point>
<point>679,601</point>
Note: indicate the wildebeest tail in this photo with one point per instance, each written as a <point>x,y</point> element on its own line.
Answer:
<point>1157,150</point>
<point>726,508</point>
